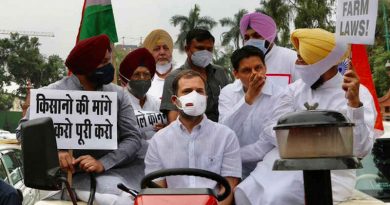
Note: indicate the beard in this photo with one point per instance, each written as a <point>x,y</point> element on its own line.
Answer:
<point>318,83</point>
<point>189,117</point>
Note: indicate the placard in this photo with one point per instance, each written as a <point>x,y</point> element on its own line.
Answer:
<point>356,21</point>
<point>82,119</point>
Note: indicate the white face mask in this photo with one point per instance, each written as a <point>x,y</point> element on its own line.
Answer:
<point>193,104</point>
<point>162,69</point>
<point>311,73</point>
<point>202,58</point>
<point>258,43</point>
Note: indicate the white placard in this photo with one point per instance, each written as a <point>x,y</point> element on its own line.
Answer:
<point>356,21</point>
<point>279,79</point>
<point>82,119</point>
<point>147,119</point>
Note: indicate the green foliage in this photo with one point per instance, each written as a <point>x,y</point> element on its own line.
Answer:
<point>314,14</point>
<point>282,12</point>
<point>21,61</point>
<point>378,60</point>
<point>6,101</point>
<point>187,23</point>
<point>222,58</point>
<point>234,33</point>
<point>119,54</point>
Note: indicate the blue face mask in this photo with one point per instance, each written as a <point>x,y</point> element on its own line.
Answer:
<point>258,43</point>
<point>103,75</point>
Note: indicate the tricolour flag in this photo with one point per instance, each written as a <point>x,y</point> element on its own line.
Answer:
<point>97,18</point>
<point>362,67</point>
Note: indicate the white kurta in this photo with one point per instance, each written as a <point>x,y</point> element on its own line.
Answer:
<point>151,104</point>
<point>280,64</point>
<point>247,121</point>
<point>265,186</point>
<point>156,89</point>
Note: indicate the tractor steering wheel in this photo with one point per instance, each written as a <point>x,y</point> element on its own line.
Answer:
<point>147,181</point>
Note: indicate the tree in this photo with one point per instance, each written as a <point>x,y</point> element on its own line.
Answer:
<point>187,23</point>
<point>222,58</point>
<point>21,61</point>
<point>234,33</point>
<point>380,31</point>
<point>6,101</point>
<point>378,61</point>
<point>314,14</point>
<point>281,12</point>
<point>119,53</point>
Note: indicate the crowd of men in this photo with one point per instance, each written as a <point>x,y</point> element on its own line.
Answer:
<point>215,124</point>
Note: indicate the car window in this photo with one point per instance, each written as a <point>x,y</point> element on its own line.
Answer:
<point>3,173</point>
<point>13,167</point>
<point>371,181</point>
<point>18,155</point>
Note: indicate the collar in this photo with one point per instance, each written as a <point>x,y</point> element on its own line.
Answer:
<point>201,124</point>
<point>237,86</point>
<point>157,78</point>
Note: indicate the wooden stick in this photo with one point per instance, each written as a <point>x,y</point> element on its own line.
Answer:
<point>70,174</point>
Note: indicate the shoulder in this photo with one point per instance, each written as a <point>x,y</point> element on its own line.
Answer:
<point>219,70</point>
<point>164,135</point>
<point>284,53</point>
<point>217,67</point>
<point>114,88</point>
<point>229,88</point>
<point>175,72</point>
<point>297,85</point>
<point>172,75</point>
<point>154,101</point>
<point>59,85</point>
<point>122,95</point>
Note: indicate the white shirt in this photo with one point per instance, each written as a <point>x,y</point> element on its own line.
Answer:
<point>156,89</point>
<point>210,146</point>
<point>247,121</point>
<point>280,64</point>
<point>289,185</point>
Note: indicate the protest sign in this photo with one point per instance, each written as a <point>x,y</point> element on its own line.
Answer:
<point>82,119</point>
<point>356,21</point>
<point>147,119</point>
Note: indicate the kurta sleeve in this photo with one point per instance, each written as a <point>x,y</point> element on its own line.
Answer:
<point>364,118</point>
<point>128,134</point>
<point>267,139</point>
<point>152,159</point>
<point>231,162</point>
<point>232,114</point>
